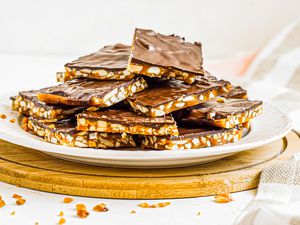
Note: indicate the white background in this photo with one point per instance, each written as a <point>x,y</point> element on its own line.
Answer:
<point>75,27</point>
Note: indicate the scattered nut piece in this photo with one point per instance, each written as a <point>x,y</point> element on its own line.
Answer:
<point>36,223</point>
<point>2,203</point>
<point>223,198</point>
<point>157,205</point>
<point>16,196</point>
<point>3,116</point>
<point>68,200</point>
<point>62,221</point>
<point>132,212</point>
<point>198,213</point>
<point>81,211</point>
<point>20,201</point>
<point>12,121</point>
<point>13,213</point>
<point>100,208</point>
<point>61,213</point>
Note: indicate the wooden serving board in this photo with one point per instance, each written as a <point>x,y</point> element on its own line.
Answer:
<point>32,169</point>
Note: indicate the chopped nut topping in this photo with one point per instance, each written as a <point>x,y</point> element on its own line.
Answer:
<point>20,201</point>
<point>157,205</point>
<point>62,221</point>
<point>132,212</point>
<point>16,196</point>
<point>68,200</point>
<point>3,116</point>
<point>100,208</point>
<point>223,198</point>
<point>61,213</point>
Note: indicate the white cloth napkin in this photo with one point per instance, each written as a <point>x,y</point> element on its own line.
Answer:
<point>278,197</point>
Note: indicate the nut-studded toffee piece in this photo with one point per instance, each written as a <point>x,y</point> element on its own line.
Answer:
<point>121,120</point>
<point>27,103</point>
<point>169,56</point>
<point>190,138</point>
<point>98,93</point>
<point>167,96</point>
<point>236,92</point>
<point>221,112</point>
<point>109,63</point>
<point>63,132</point>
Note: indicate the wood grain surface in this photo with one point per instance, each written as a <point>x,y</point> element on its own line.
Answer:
<point>32,169</point>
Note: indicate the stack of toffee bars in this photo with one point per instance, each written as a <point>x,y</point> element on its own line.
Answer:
<point>154,94</point>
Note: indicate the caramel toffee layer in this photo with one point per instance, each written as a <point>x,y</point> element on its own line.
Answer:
<point>164,97</point>
<point>109,63</point>
<point>27,103</point>
<point>191,138</point>
<point>64,132</point>
<point>120,120</point>
<point>157,55</point>
<point>84,92</point>
<point>236,92</point>
<point>221,112</point>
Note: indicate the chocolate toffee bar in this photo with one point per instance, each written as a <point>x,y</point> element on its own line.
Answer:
<point>121,120</point>
<point>221,112</point>
<point>167,96</point>
<point>168,56</point>
<point>27,103</point>
<point>98,93</point>
<point>191,138</point>
<point>109,63</point>
<point>63,132</point>
<point>236,92</point>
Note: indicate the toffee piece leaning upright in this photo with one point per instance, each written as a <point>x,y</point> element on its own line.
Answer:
<point>165,56</point>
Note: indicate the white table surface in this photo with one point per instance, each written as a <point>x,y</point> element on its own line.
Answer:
<point>21,72</point>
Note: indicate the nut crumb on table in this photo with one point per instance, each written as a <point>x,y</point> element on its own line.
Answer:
<point>20,201</point>
<point>82,211</point>
<point>132,212</point>
<point>61,213</point>
<point>68,200</point>
<point>62,221</point>
<point>12,120</point>
<point>3,116</point>
<point>12,213</point>
<point>157,205</point>
<point>100,208</point>
<point>16,196</point>
<point>223,198</point>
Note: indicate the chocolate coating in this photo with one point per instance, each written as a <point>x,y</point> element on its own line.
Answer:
<point>166,51</point>
<point>236,92</point>
<point>81,91</point>
<point>67,126</point>
<point>196,132</point>
<point>221,109</point>
<point>32,96</point>
<point>126,117</point>
<point>112,57</point>
<point>163,92</point>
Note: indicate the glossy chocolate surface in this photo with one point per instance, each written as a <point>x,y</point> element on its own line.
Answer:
<point>126,117</point>
<point>112,57</point>
<point>221,109</point>
<point>81,91</point>
<point>165,91</point>
<point>166,51</point>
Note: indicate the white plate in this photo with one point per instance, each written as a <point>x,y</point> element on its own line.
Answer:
<point>272,125</point>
